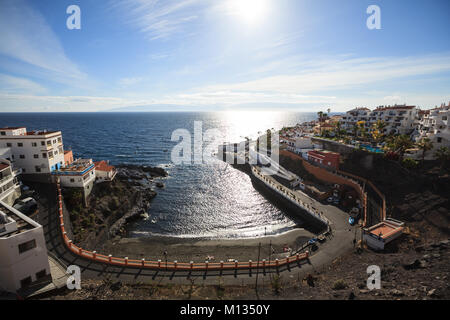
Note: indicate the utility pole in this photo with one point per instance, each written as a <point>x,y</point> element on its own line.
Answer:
<point>257,270</point>
<point>165,255</point>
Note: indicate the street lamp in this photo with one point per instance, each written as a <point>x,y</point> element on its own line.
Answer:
<point>165,256</point>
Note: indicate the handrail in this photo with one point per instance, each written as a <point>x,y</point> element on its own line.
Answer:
<point>278,187</point>
<point>172,266</point>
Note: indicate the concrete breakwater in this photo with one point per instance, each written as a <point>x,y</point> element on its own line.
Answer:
<point>301,206</point>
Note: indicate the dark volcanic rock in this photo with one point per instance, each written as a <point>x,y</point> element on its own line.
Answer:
<point>155,171</point>
<point>135,172</point>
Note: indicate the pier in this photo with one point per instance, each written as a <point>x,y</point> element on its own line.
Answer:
<point>298,198</point>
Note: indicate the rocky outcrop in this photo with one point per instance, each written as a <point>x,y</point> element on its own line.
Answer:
<point>113,204</point>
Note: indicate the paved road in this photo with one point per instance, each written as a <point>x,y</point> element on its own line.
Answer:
<point>339,242</point>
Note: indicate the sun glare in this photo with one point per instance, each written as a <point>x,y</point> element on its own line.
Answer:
<point>250,11</point>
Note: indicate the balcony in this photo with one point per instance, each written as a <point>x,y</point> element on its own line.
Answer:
<point>5,178</point>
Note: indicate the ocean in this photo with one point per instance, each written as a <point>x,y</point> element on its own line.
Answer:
<point>210,200</point>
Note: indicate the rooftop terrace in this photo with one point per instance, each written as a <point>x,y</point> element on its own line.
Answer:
<point>13,222</point>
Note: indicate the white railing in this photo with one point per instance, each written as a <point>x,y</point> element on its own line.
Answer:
<point>289,195</point>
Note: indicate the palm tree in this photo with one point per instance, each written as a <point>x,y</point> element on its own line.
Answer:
<point>320,115</point>
<point>355,131</point>
<point>401,144</point>
<point>425,145</point>
<point>443,155</point>
<point>378,130</point>
<point>337,129</point>
<point>361,128</point>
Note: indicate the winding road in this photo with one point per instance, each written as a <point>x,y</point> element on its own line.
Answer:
<point>339,242</point>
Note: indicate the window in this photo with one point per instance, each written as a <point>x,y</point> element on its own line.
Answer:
<point>72,180</point>
<point>3,133</point>
<point>25,282</point>
<point>9,144</point>
<point>42,143</point>
<point>59,140</point>
<point>44,155</point>
<point>34,144</point>
<point>36,156</point>
<point>439,140</point>
<point>26,246</point>
<point>20,144</point>
<point>444,118</point>
<point>54,141</point>
<point>37,168</point>
<point>41,274</point>
<point>50,155</point>
<point>49,142</point>
<point>22,156</point>
<point>24,170</point>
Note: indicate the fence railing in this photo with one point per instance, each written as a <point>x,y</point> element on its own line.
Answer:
<point>289,195</point>
<point>172,265</point>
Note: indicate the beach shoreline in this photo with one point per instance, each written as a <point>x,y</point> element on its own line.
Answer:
<point>200,249</point>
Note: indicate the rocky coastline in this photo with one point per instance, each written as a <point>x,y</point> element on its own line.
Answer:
<point>143,179</point>
<point>112,205</point>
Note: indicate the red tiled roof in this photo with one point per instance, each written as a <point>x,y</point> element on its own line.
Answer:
<point>103,166</point>
<point>3,166</point>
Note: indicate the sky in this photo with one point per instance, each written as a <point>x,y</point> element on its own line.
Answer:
<point>214,55</point>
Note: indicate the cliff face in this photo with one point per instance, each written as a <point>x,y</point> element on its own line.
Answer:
<point>111,205</point>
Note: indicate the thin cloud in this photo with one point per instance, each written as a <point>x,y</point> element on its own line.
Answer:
<point>341,75</point>
<point>160,19</point>
<point>27,37</point>
<point>11,84</point>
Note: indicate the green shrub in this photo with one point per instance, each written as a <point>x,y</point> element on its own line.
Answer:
<point>276,284</point>
<point>339,285</point>
<point>409,163</point>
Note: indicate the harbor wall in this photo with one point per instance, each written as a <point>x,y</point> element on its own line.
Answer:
<point>308,222</point>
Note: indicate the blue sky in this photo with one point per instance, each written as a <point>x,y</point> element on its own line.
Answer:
<point>219,55</point>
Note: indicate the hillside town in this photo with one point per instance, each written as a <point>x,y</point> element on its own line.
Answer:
<point>312,151</point>
<point>400,131</point>
<point>28,157</point>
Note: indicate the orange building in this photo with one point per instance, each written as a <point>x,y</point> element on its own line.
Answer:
<point>68,157</point>
<point>325,158</point>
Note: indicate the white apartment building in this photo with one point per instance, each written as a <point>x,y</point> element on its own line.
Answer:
<point>435,126</point>
<point>399,119</point>
<point>79,174</point>
<point>35,152</point>
<point>23,253</point>
<point>304,142</point>
<point>9,183</point>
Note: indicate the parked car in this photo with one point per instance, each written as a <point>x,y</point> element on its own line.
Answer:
<point>351,221</point>
<point>26,206</point>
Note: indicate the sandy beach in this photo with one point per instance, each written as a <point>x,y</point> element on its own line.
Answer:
<point>198,250</point>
